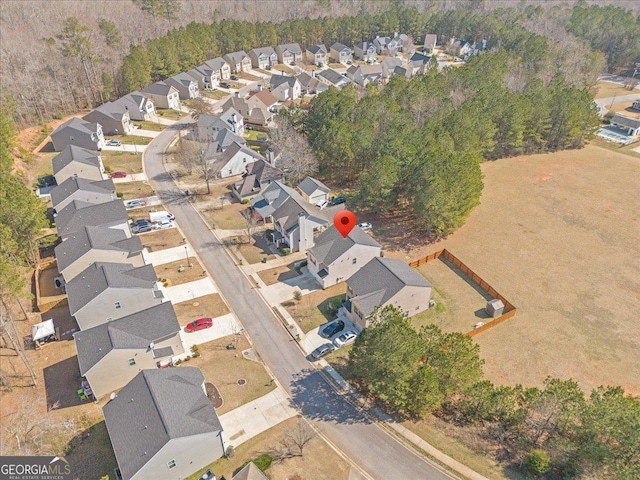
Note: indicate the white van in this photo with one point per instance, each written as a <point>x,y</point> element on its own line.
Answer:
<point>161,215</point>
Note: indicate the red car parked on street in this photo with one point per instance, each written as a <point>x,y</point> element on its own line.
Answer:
<point>199,324</point>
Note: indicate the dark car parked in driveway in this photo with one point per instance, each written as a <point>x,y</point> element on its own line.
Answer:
<point>322,350</point>
<point>225,85</point>
<point>338,201</point>
<point>331,329</point>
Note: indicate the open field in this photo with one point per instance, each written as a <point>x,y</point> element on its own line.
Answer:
<point>224,367</point>
<point>171,271</point>
<point>320,461</point>
<point>130,190</point>
<point>556,235</point>
<point>609,89</point>
<point>314,309</point>
<point>207,306</point>
<point>161,239</point>
<point>122,161</point>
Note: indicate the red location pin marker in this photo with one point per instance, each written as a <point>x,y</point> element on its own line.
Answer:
<point>344,222</point>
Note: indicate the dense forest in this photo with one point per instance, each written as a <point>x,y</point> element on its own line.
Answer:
<point>550,432</point>
<point>57,58</point>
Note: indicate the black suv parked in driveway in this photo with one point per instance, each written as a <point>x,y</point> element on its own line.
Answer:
<point>338,201</point>
<point>331,329</point>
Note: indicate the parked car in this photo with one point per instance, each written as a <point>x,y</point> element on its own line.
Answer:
<point>134,203</point>
<point>225,84</point>
<point>199,324</point>
<point>117,174</point>
<point>234,77</point>
<point>338,201</point>
<point>142,228</point>
<point>345,339</point>
<point>166,223</point>
<point>46,181</point>
<point>365,226</point>
<point>114,143</point>
<point>331,329</point>
<point>323,205</point>
<point>322,350</point>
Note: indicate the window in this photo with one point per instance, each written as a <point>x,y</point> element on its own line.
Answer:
<point>171,464</point>
<point>354,261</point>
<point>117,305</point>
<point>132,362</point>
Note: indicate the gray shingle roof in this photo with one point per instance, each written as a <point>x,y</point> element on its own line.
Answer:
<point>136,331</point>
<point>380,280</point>
<point>258,174</point>
<point>274,197</point>
<point>268,51</point>
<point>78,214</point>
<point>78,125</point>
<point>216,63</point>
<point>625,121</point>
<point>133,101</point>
<point>153,408</point>
<point>418,59</point>
<point>72,153</point>
<point>317,48</point>
<point>291,47</point>
<point>158,88</point>
<point>109,109</point>
<point>277,80</point>
<point>339,47</point>
<point>100,238</point>
<point>182,78</point>
<point>237,57</point>
<point>309,185</point>
<point>73,184</point>
<point>331,245</point>
<point>250,472</point>
<point>333,77</point>
<point>99,276</point>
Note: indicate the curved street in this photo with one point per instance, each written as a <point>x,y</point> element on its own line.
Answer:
<point>376,452</point>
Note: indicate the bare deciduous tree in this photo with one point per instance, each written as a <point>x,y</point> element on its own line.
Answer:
<point>295,156</point>
<point>250,222</point>
<point>28,427</point>
<point>299,437</point>
<point>185,154</point>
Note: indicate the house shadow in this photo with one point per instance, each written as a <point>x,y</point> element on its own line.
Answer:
<point>61,382</point>
<point>47,148</point>
<point>316,400</point>
<point>63,320</point>
<point>92,444</point>
<point>482,314</point>
<point>466,278</point>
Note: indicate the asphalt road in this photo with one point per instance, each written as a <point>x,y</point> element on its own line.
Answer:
<point>374,450</point>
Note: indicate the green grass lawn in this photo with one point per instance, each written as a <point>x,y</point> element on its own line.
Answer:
<point>254,134</point>
<point>316,308</point>
<point>145,125</point>
<point>130,190</point>
<point>131,139</point>
<point>171,114</point>
<point>122,161</point>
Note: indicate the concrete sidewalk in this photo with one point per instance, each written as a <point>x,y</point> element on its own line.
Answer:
<point>125,147</point>
<point>168,255</point>
<point>139,132</point>
<point>255,417</point>
<point>189,291</point>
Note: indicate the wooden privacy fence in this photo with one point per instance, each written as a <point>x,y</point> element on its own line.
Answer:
<point>509,308</point>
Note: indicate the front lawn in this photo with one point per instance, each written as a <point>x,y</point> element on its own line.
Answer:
<point>160,239</point>
<point>131,190</point>
<point>210,305</point>
<point>171,114</point>
<point>278,274</point>
<point>171,273</point>
<point>145,125</point>
<point>131,139</point>
<point>121,161</point>
<point>317,308</point>
<point>214,94</point>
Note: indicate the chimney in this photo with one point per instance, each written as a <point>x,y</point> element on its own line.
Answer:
<point>305,232</point>
<point>395,34</point>
<point>237,94</point>
<point>234,118</point>
<point>260,87</point>
<point>271,157</point>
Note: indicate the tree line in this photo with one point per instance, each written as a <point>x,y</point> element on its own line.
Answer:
<point>419,143</point>
<point>555,430</point>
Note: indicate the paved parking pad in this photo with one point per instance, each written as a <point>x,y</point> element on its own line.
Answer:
<point>222,327</point>
<point>189,291</point>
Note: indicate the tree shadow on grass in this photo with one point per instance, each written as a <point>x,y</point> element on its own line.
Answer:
<point>316,400</point>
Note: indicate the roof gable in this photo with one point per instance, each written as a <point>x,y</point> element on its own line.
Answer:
<point>77,215</point>
<point>330,245</point>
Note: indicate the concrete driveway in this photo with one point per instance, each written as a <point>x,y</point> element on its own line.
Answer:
<point>131,177</point>
<point>189,291</point>
<point>283,291</point>
<point>222,327</point>
<point>314,340</point>
<point>168,255</point>
<point>125,147</point>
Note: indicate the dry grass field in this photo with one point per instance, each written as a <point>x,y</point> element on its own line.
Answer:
<point>558,235</point>
<point>207,306</point>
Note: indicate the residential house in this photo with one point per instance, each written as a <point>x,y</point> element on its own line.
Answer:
<point>206,77</point>
<point>186,85</point>
<point>314,191</point>
<point>310,84</point>
<point>139,106</point>
<point>233,161</point>
<point>382,282</point>
<point>250,472</point>
<point>97,244</point>
<point>334,258</point>
<point>257,177</point>
<point>113,118</point>
<point>77,215</point>
<point>430,41</point>
<point>255,109</point>
<point>394,66</point>
<point>264,57</point>
<point>103,292</point>
<point>220,67</point>
<point>461,48</point>
<point>317,55</point>
<point>398,42</point>
<point>84,190</point>
<point>226,138</point>
<point>363,75</point>
<point>340,53</point>
<point>163,425</point>
<point>332,78</point>
<point>381,45</point>
<point>238,61</point>
<point>285,88</point>
<point>631,126</point>
<point>78,132</point>
<point>365,51</point>
<point>418,63</point>
<point>210,125</point>
<point>294,219</point>
<point>75,161</point>
<point>163,95</point>
<point>289,53</point>
<point>110,355</point>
